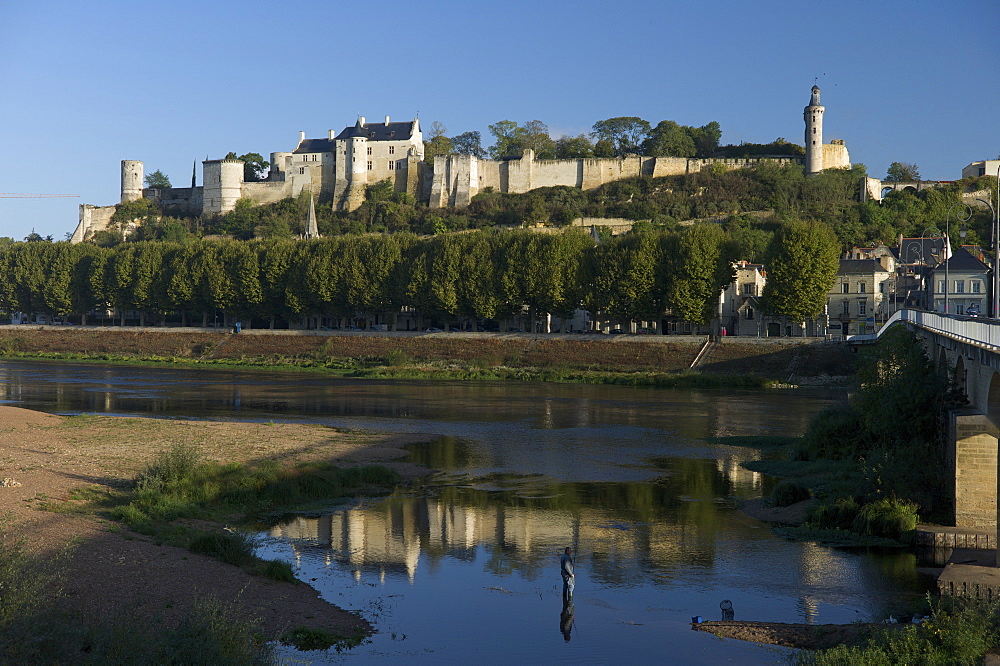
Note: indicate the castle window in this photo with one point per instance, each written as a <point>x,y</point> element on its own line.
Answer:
<point>393,133</point>
<point>369,150</point>
<point>392,165</point>
<point>369,165</point>
<point>302,170</point>
<point>314,157</point>
<point>861,287</point>
<point>847,287</point>
<point>392,150</point>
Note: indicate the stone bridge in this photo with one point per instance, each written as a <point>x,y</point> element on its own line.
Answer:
<point>968,349</point>
<point>876,190</point>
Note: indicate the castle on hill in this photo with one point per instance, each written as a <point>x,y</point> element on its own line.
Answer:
<point>338,169</point>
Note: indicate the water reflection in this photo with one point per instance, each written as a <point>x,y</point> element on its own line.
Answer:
<point>468,565</point>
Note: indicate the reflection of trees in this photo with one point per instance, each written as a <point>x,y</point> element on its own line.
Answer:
<point>444,453</point>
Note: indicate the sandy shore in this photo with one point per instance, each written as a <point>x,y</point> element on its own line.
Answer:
<point>111,571</point>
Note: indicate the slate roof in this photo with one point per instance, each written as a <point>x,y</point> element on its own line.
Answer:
<point>962,261</point>
<point>860,266</point>
<point>381,131</point>
<point>915,250</point>
<point>315,146</point>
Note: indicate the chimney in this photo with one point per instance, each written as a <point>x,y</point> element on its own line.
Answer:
<point>302,137</point>
<point>361,119</point>
<point>387,120</point>
<point>330,135</point>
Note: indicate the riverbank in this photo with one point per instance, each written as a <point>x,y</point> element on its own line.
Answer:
<point>49,464</point>
<point>645,360</point>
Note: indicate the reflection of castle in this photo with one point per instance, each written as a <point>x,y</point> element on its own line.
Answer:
<point>394,535</point>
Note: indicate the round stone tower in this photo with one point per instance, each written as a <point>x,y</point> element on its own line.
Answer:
<point>131,180</point>
<point>814,133</point>
<point>359,171</point>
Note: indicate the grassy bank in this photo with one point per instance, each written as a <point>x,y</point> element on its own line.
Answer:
<point>605,360</point>
<point>179,493</point>
<point>181,500</point>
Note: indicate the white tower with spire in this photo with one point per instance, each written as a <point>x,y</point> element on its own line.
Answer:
<point>814,133</point>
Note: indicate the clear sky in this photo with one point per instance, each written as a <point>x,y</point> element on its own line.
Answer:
<point>86,85</point>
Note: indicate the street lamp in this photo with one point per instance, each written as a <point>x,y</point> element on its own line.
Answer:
<point>947,242</point>
<point>932,233</point>
<point>996,250</point>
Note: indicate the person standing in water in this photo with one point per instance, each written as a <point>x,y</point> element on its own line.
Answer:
<point>566,566</point>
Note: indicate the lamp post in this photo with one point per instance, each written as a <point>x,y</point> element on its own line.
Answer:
<point>996,226</point>
<point>996,250</point>
<point>947,242</point>
<point>932,233</point>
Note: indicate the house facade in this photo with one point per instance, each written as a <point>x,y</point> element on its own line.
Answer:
<point>960,282</point>
<point>857,302</point>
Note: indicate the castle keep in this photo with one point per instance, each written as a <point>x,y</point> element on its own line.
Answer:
<point>337,169</point>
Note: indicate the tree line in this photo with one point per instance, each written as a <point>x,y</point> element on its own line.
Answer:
<point>612,137</point>
<point>486,274</point>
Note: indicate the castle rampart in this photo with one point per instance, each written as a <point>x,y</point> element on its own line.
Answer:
<point>458,178</point>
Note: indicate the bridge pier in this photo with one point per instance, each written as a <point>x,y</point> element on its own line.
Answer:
<point>972,444</point>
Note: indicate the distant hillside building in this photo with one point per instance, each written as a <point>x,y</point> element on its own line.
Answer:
<point>338,168</point>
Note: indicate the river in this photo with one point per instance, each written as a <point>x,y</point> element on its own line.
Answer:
<point>640,482</point>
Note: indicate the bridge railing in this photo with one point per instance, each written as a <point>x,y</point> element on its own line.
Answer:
<point>978,331</point>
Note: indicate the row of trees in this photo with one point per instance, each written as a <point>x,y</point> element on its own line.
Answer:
<point>613,137</point>
<point>485,274</point>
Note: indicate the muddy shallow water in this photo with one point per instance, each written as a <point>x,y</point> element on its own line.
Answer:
<point>466,566</point>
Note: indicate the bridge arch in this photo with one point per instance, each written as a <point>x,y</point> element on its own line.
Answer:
<point>993,401</point>
<point>961,375</point>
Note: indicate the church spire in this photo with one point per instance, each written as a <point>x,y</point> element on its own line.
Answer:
<point>312,229</point>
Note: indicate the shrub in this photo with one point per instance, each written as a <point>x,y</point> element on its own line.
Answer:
<point>787,493</point>
<point>278,570</point>
<point>958,632</point>
<point>891,518</point>
<point>839,515</point>
<point>397,357</point>
<point>235,548</point>
<point>169,470</point>
<point>832,434</point>
<point>304,638</point>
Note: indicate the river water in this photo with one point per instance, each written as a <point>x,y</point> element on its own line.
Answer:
<point>640,482</point>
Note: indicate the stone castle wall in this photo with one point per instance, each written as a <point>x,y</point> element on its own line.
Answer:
<point>455,179</point>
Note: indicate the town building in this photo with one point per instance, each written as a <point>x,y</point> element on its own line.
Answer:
<point>857,301</point>
<point>963,280</point>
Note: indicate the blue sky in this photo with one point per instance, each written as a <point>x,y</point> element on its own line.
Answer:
<point>85,85</point>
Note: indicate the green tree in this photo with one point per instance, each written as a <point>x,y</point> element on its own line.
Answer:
<point>902,172</point>
<point>668,139</point>
<point>535,136</point>
<point>438,145</point>
<point>513,139</point>
<point>698,272</point>
<point>157,180</point>
<point>625,133</point>
<point>569,147</point>
<point>468,143</point>
<point>802,264</point>
<point>255,167</point>
<point>604,148</point>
